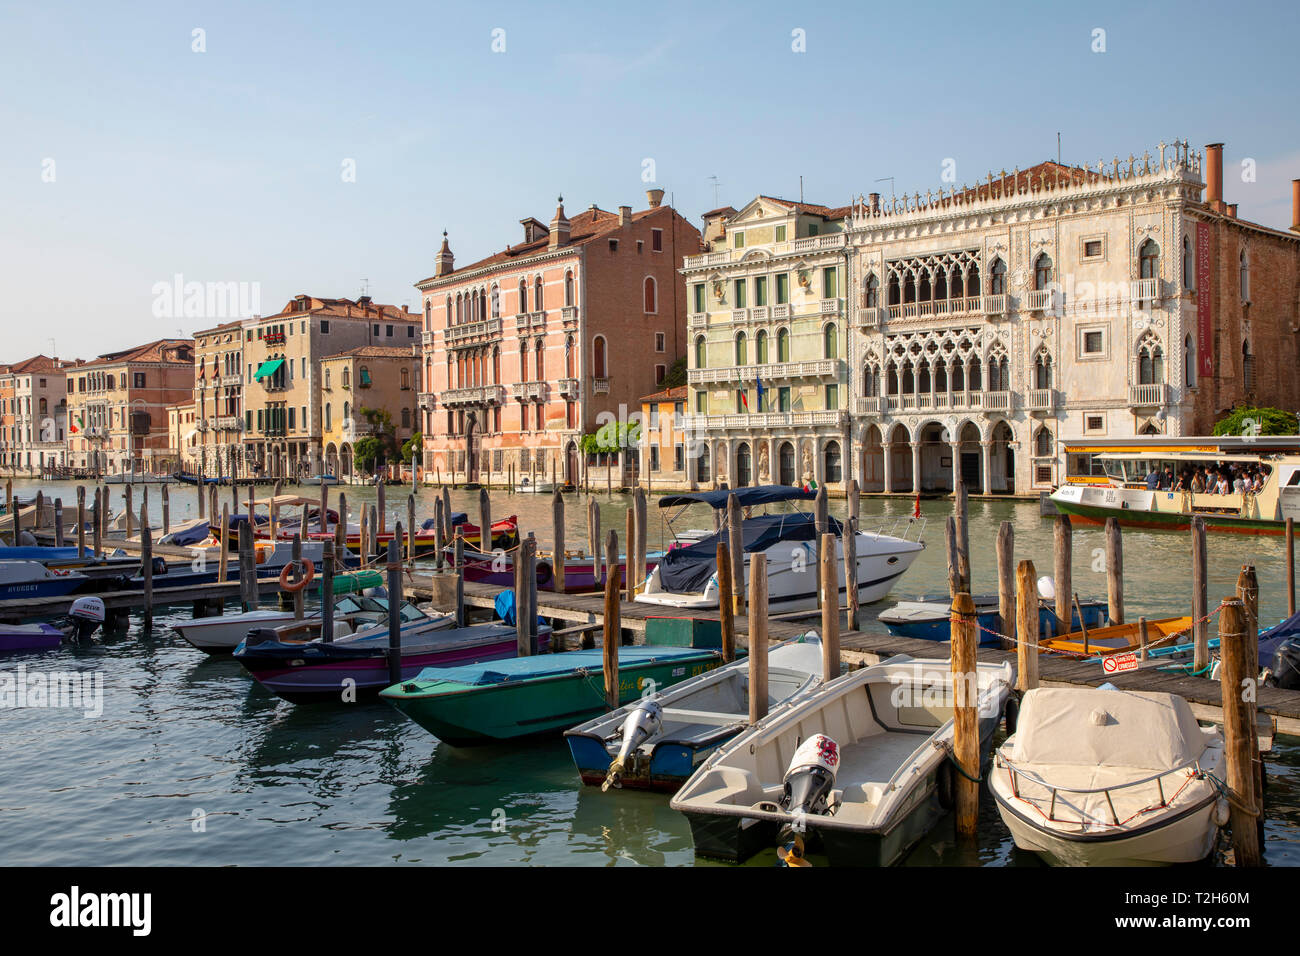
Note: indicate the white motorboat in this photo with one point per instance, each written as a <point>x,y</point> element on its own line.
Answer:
<point>686,577</point>
<point>1098,777</point>
<point>657,742</point>
<point>859,766</point>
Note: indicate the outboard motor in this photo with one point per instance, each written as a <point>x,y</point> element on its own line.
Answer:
<point>642,722</point>
<point>87,615</point>
<point>1286,664</point>
<point>378,591</point>
<point>808,784</point>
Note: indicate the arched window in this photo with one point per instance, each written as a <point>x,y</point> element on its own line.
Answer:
<point>831,471</point>
<point>1189,264</point>
<point>406,378</point>
<point>1151,361</point>
<point>1148,260</point>
<point>651,295</point>
<point>329,416</point>
<point>742,349</point>
<point>523,360</point>
<point>537,294</point>
<point>460,309</point>
<point>700,352</point>
<point>1042,271</point>
<point>347,377</point>
<point>448,310</point>
<point>428,314</point>
<point>975,377</point>
<point>830,341</point>
<point>568,288</point>
<point>1247,367</point>
<point>1245,277</point>
<point>891,379</point>
<point>568,357</point>
<point>1043,369</point>
<point>496,365</point>
<point>598,368</point>
<point>891,290</point>
<point>871,297</point>
<point>496,302</point>
<point>1043,443</point>
<point>327,378</point>
<point>347,410</point>
<point>539,347</point>
<point>760,347</point>
<point>783,345</point>
<point>998,277</point>
<point>1189,361</point>
<point>523,296</point>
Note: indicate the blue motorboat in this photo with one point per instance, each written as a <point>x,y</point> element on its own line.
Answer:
<point>928,618</point>
<point>31,579</point>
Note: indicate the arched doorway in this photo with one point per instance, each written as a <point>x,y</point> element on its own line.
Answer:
<point>345,459</point>
<point>873,460</point>
<point>1002,460</point>
<point>970,465</point>
<point>744,466</point>
<point>900,459</point>
<point>832,471</point>
<point>571,463</point>
<point>785,469</point>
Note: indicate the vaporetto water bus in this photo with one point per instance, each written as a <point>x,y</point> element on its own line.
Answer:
<point>1109,478</point>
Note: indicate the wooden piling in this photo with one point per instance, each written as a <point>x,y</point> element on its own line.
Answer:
<point>1026,626</point>
<point>17,518</point>
<point>829,588</point>
<point>1006,585</point>
<point>642,519</point>
<point>38,516</point>
<point>1200,598</point>
<point>96,525</point>
<point>557,541</point>
<point>146,563</point>
<point>458,554</point>
<point>821,512</point>
<point>629,562</point>
<point>1290,567</point>
<point>223,537</point>
<point>726,603</point>
<point>1114,572</point>
<point>323,517</point>
<point>365,535</point>
<point>485,543</point>
<point>1063,555</point>
<point>81,522</point>
<point>212,504</point>
<point>593,539</point>
<point>341,531</point>
<point>1248,592</point>
<point>1144,639</point>
<point>1237,683</point>
<point>58,522</point>
<point>961,510</point>
<point>853,493</point>
<point>247,567</point>
<point>295,554</point>
<point>758,637</point>
<point>374,530</point>
<point>327,593</point>
<point>966,735</point>
<point>613,630</point>
<point>954,559</point>
<point>410,530</point>
<point>850,548</point>
<point>130,514</point>
<point>736,546</point>
<point>167,510</point>
<point>394,568</point>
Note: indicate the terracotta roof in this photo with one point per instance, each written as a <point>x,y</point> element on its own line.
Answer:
<point>812,209</point>
<point>344,308</point>
<point>374,351</point>
<point>150,352</point>
<point>37,363</point>
<point>666,395</point>
<point>224,326</point>
<point>718,211</point>
<point>584,227</point>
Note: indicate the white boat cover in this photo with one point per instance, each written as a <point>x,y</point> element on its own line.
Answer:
<point>1113,728</point>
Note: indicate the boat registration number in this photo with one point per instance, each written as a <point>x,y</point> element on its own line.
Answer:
<point>1119,663</point>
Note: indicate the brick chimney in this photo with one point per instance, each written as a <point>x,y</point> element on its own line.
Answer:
<point>1214,177</point>
<point>559,228</point>
<point>873,199</point>
<point>624,215</point>
<point>654,197</point>
<point>444,262</point>
<point>1295,205</point>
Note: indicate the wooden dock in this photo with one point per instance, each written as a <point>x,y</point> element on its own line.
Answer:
<point>860,648</point>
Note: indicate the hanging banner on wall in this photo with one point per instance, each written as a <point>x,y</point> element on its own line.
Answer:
<point>1204,293</point>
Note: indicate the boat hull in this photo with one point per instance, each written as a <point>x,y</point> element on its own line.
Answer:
<point>1086,513</point>
<point>31,637</point>
<point>513,709</point>
<point>940,629</point>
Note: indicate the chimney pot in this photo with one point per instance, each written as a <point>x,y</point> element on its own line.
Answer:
<point>1214,177</point>
<point>874,199</point>
<point>654,197</point>
<point>624,215</point>
<point>1232,210</point>
<point>1295,205</point>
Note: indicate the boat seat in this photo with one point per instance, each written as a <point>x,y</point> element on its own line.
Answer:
<point>704,716</point>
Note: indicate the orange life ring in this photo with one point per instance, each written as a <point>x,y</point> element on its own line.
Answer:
<point>308,574</point>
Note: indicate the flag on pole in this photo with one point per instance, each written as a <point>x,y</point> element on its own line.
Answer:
<point>760,392</point>
<point>916,511</point>
<point>744,400</point>
<point>76,426</point>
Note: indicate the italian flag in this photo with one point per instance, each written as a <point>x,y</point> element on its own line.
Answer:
<point>76,426</point>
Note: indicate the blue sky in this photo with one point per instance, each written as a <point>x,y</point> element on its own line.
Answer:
<point>227,165</point>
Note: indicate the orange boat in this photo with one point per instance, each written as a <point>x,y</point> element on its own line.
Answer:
<point>1115,639</point>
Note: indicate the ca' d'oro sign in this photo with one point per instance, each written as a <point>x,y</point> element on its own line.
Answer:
<point>1204,292</point>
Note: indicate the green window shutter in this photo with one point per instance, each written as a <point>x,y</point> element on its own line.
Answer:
<point>783,288</point>
<point>780,233</point>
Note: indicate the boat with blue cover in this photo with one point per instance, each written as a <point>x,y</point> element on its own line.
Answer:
<point>687,578</point>
<point>929,618</point>
<point>508,699</point>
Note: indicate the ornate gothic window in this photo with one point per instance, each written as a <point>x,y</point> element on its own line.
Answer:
<point>998,277</point>
<point>1043,369</point>
<point>1042,271</point>
<point>1151,360</point>
<point>1149,260</point>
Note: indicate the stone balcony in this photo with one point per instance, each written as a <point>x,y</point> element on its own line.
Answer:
<point>569,316</point>
<point>697,423</point>
<point>1146,292</point>
<point>736,374</point>
<point>1040,300</point>
<point>806,244</point>
<point>1150,396</point>
<point>869,317</point>
<point>427,400</point>
<point>426,339</point>
<point>529,391</point>
<point>600,385</point>
<point>476,395</point>
<point>1042,400</point>
<point>569,387</point>
<point>471,331</point>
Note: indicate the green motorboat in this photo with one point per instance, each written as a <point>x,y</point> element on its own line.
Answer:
<point>505,699</point>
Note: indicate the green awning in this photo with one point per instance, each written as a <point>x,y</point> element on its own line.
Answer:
<point>267,368</point>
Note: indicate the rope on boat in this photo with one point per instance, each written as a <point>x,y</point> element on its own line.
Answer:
<point>952,759</point>
<point>1150,644</point>
<point>1226,792</point>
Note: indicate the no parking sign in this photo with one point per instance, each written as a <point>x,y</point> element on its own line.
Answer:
<point>1119,663</point>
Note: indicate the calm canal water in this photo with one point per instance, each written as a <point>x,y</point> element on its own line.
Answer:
<point>184,736</point>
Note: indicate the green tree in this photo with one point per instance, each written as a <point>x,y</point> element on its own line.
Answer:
<point>1256,421</point>
<point>676,374</point>
<point>383,436</point>
<point>365,452</point>
<point>411,448</point>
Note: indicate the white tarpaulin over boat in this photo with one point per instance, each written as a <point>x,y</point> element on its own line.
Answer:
<point>1116,728</point>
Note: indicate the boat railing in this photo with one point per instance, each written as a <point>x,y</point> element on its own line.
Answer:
<point>1016,773</point>
<point>905,527</point>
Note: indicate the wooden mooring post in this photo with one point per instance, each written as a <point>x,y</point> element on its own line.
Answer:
<point>613,630</point>
<point>1290,567</point>
<point>1238,684</point>
<point>295,553</point>
<point>81,522</point>
<point>247,567</point>
<point>327,592</point>
<point>1200,598</point>
<point>961,509</point>
<point>223,537</point>
<point>458,556</point>
<point>146,563</point>
<point>736,547</point>
<point>58,522</point>
<point>1063,558</point>
<point>557,540</point>
<point>726,603</point>
<point>96,525</point>
<point>1248,592</point>
<point>394,569</point>
<point>966,736</point>
<point>381,504</point>
<point>954,559</point>
<point>167,510</point>
<point>485,521</point>
<point>757,637</point>
<point>829,586</point>
<point>642,519</point>
<point>1114,572</point>
<point>850,548</point>
<point>324,521</point>
<point>130,513</point>
<point>629,562</point>
<point>821,514</point>
<point>1006,585</point>
<point>1143,639</point>
<point>1026,626</point>
<point>525,597</point>
<point>593,539</point>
